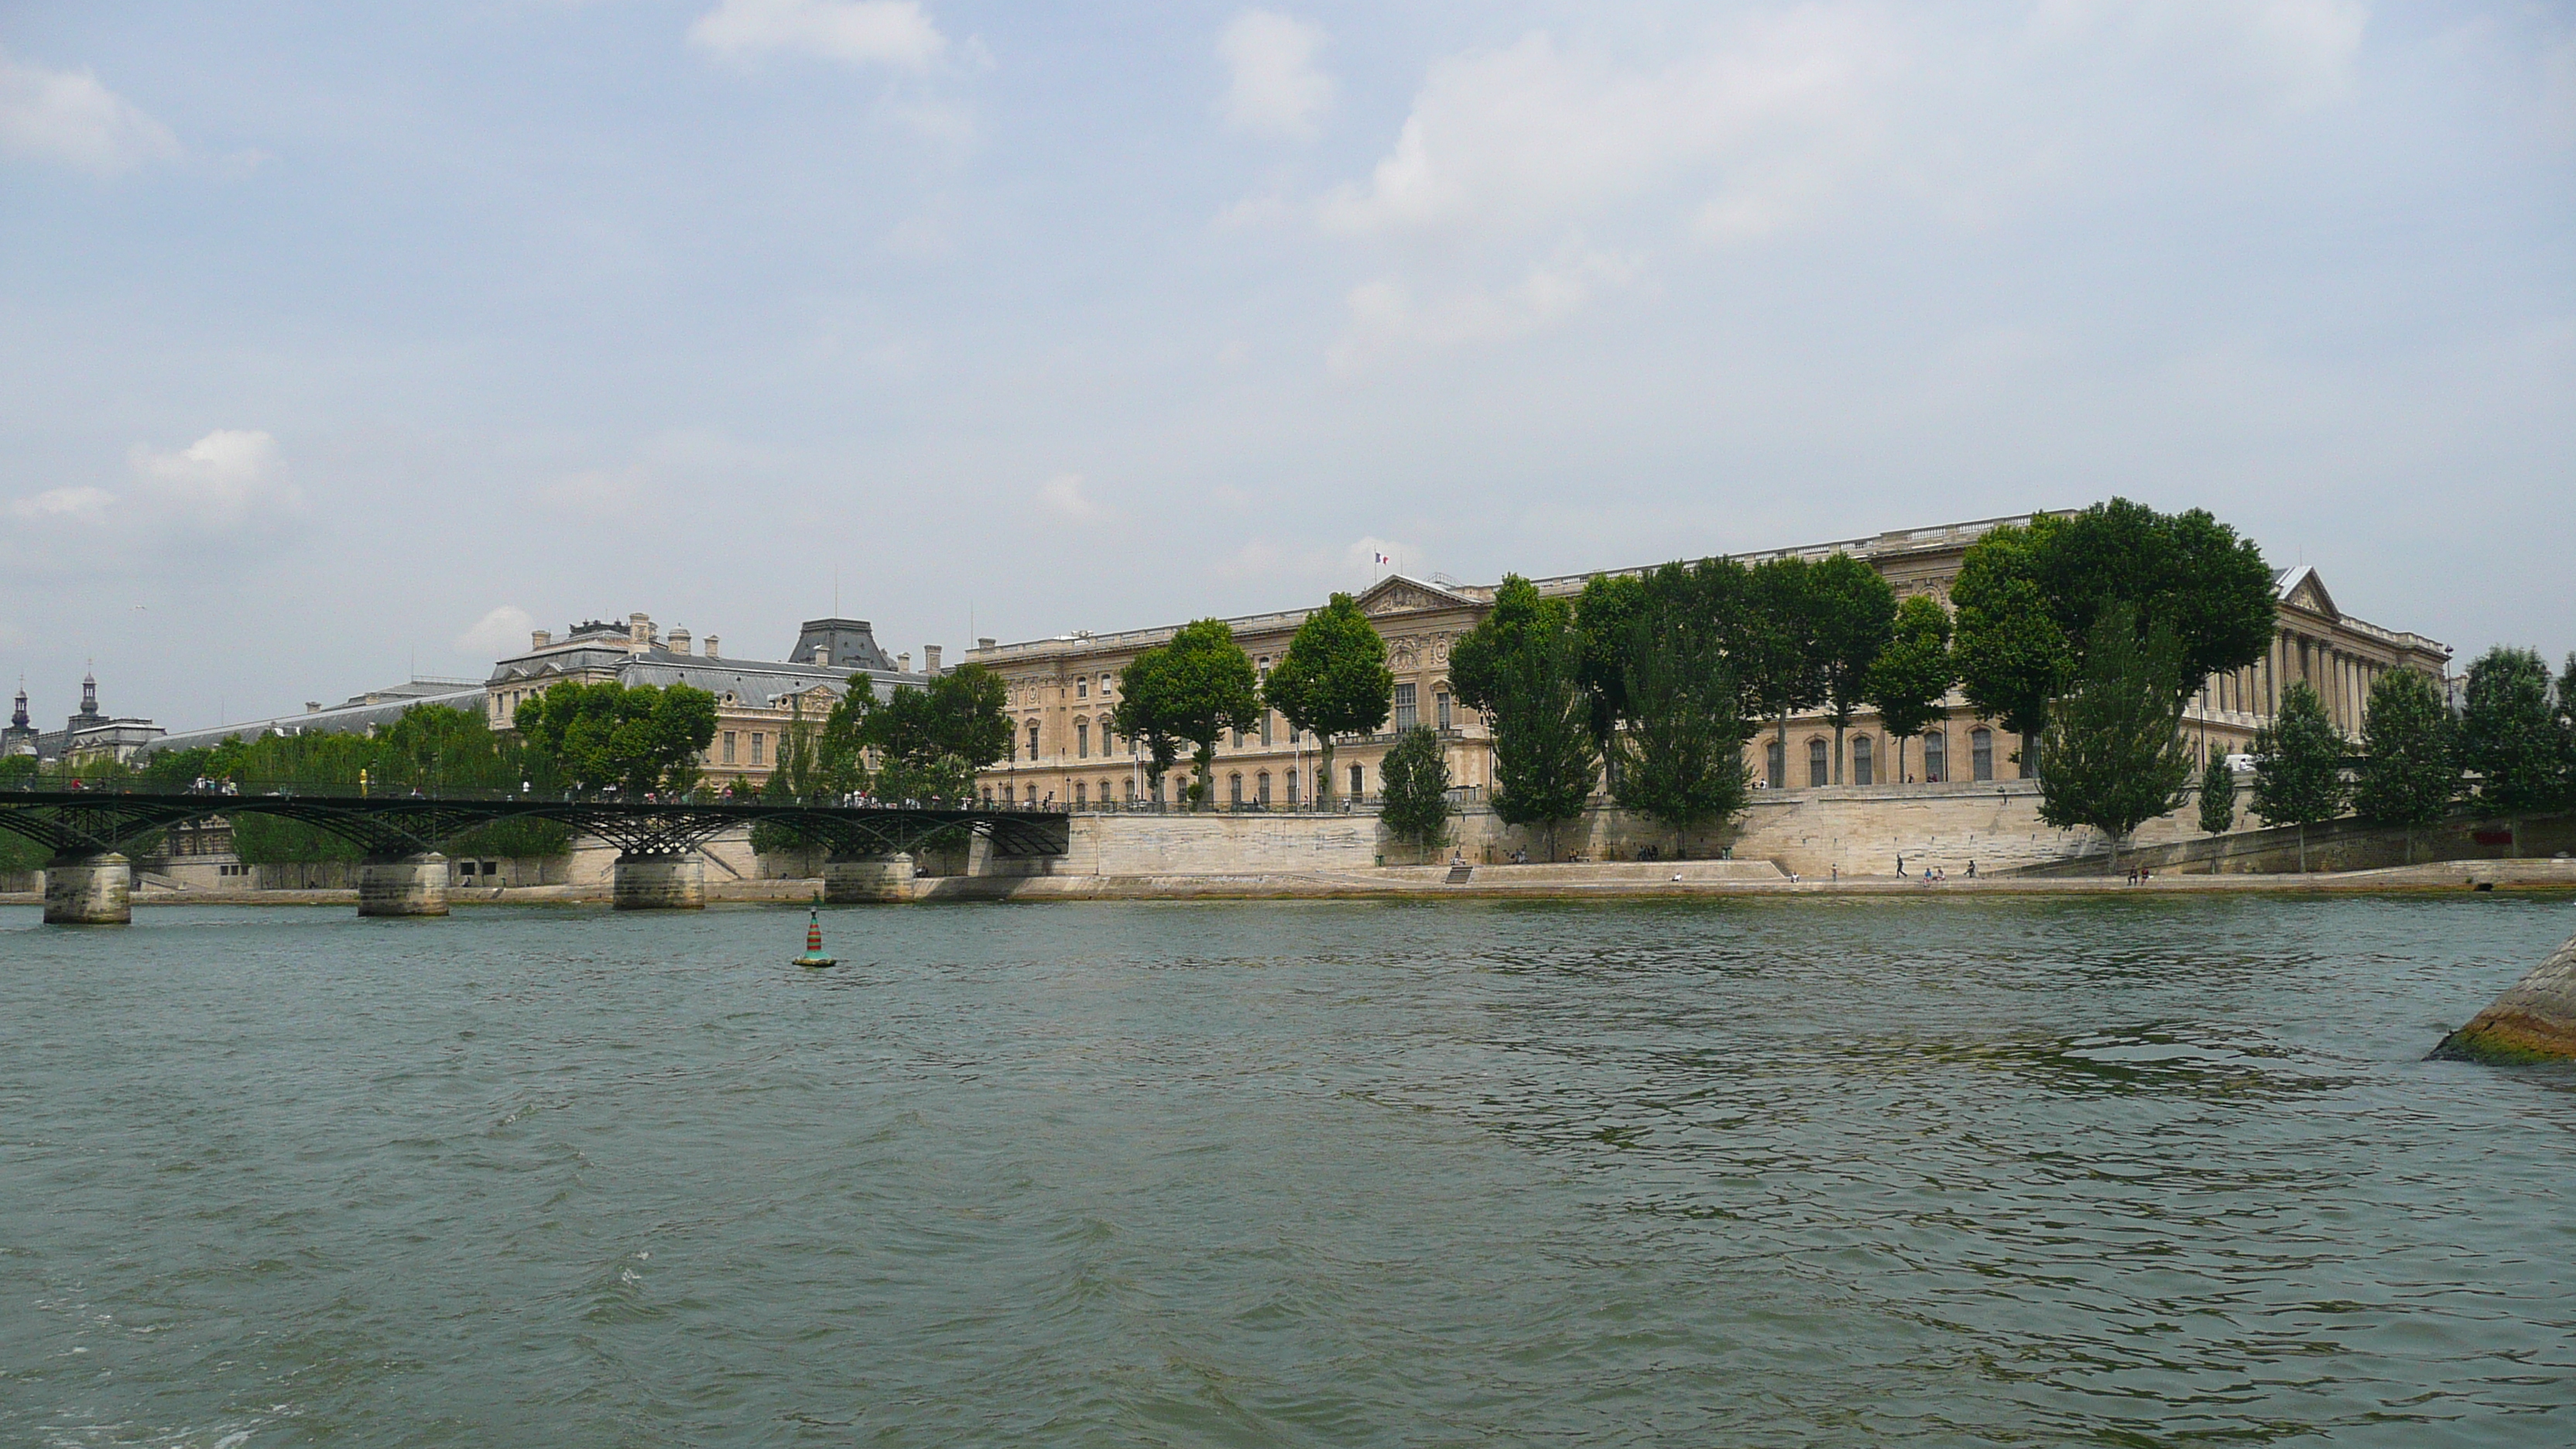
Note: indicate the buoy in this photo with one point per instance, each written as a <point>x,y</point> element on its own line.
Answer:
<point>814,943</point>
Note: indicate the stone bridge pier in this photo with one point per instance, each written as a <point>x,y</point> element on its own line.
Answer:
<point>856,879</point>
<point>673,881</point>
<point>89,890</point>
<point>403,885</point>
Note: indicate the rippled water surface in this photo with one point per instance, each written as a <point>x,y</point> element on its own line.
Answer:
<point>1921,1172</point>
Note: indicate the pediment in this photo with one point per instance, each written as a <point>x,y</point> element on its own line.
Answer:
<point>1397,594</point>
<point>2302,589</point>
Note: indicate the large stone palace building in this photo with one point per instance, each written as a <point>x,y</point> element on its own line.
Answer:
<point>1062,691</point>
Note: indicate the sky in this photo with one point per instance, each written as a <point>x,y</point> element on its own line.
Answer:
<point>344,343</point>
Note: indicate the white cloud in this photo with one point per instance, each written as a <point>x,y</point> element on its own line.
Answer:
<point>2270,54</point>
<point>855,32</point>
<point>226,475</point>
<point>1276,89</point>
<point>502,631</point>
<point>67,117</point>
<point>1388,317</point>
<point>1064,494</point>
<point>70,505</point>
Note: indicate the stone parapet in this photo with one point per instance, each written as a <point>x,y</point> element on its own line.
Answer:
<point>659,882</point>
<point>94,890</point>
<point>858,880</point>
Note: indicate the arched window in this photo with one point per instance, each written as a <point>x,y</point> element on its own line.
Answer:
<point>1104,794</point>
<point>1291,778</point>
<point>1082,687</point>
<point>1775,765</point>
<point>1359,783</point>
<point>1936,757</point>
<point>1440,705</point>
<point>1864,761</point>
<point>1261,787</point>
<point>1033,739</point>
<point>1077,793</point>
<point>1234,788</point>
<point>1819,769</point>
<point>1981,753</point>
<point>1082,739</point>
<point>1131,789</point>
<point>1006,794</point>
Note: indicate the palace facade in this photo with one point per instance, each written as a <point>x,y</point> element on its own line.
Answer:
<point>1062,691</point>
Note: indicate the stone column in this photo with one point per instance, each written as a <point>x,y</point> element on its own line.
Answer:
<point>676,882</point>
<point>89,890</point>
<point>850,880</point>
<point>403,885</point>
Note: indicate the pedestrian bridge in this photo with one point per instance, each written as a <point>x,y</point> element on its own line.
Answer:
<point>88,879</point>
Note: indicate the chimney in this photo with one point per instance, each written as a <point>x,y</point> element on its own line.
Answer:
<point>930,660</point>
<point>679,640</point>
<point>711,646</point>
<point>986,643</point>
<point>540,638</point>
<point>903,661</point>
<point>639,632</point>
<point>822,655</point>
<point>312,706</point>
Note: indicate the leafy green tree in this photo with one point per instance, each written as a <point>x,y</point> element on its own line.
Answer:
<point>2410,770</point>
<point>1605,613</point>
<point>2298,765</point>
<point>1142,692</point>
<point>841,744</point>
<point>2217,797</point>
<point>644,739</point>
<point>1478,662</point>
<point>1910,684</point>
<point>1414,798</point>
<point>1854,619</point>
<point>2510,735</point>
<point>1545,765</point>
<point>2114,745</point>
<point>1681,761</point>
<point>2012,654</point>
<point>930,742</point>
<point>1775,649</point>
<point>1191,690</point>
<point>1333,680</point>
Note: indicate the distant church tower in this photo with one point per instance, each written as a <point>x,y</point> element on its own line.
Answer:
<point>89,714</point>
<point>20,737</point>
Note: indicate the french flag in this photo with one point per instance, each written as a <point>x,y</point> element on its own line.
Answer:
<point>1382,558</point>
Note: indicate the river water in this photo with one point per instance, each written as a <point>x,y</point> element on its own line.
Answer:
<point>1948,1171</point>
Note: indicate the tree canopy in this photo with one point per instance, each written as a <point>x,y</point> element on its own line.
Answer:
<point>1545,764</point>
<point>1414,791</point>
<point>1853,614</point>
<point>2410,769</point>
<point>640,739</point>
<point>2510,734</point>
<point>1191,690</point>
<point>2298,765</point>
<point>2217,796</point>
<point>2114,745</point>
<point>1681,760</point>
<point>1333,679</point>
<point>1910,683</point>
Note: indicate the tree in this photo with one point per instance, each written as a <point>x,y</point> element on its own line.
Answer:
<point>1478,661</point>
<point>930,742</point>
<point>2410,770</point>
<point>2298,765</point>
<point>1544,763</point>
<point>1605,613</point>
<point>1774,649</point>
<point>1910,684</point>
<point>1415,794</point>
<point>2114,745</point>
<point>1853,614</point>
<point>2012,654</point>
<point>1194,689</point>
<point>605,735</point>
<point>2510,736</point>
<point>1141,694</point>
<point>2217,797</point>
<point>1333,680</point>
<point>1681,761</point>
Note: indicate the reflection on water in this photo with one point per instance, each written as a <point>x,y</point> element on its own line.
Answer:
<point>1938,1171</point>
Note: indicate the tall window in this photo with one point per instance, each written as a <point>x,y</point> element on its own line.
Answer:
<point>1936,757</point>
<point>1265,726</point>
<point>1261,787</point>
<point>1234,788</point>
<point>1081,739</point>
<point>1077,794</point>
<point>1082,687</point>
<point>1981,753</point>
<point>1864,762</point>
<point>1104,794</point>
<point>1440,703</point>
<point>1033,739</point>
<point>1131,789</point>
<point>1775,765</point>
<point>1819,771</point>
<point>755,747</point>
<point>728,747</point>
<point>1006,794</point>
<point>1291,778</point>
<point>1359,783</point>
<point>1405,713</point>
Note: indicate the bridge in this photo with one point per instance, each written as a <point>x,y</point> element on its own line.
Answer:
<point>400,873</point>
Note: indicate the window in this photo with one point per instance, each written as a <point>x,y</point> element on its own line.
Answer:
<point>1158,790</point>
<point>1108,741</point>
<point>1440,703</point>
<point>1238,739</point>
<point>1818,772</point>
<point>1082,687</point>
<point>1261,787</point>
<point>1981,753</point>
<point>1104,794</point>
<point>1291,778</point>
<point>1265,726</point>
<point>1864,762</point>
<point>1359,783</point>
<point>1006,794</point>
<point>1131,789</point>
<point>1406,716</point>
<point>1775,765</point>
<point>1081,740</point>
<point>1234,788</point>
<point>1105,681</point>
<point>755,747</point>
<point>988,794</point>
<point>1078,797</point>
<point>1935,757</point>
<point>728,747</point>
<point>1033,739</point>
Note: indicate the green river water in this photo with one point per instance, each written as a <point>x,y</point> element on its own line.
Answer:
<point>1943,1171</point>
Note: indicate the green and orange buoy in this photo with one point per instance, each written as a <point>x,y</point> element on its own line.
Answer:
<point>814,943</point>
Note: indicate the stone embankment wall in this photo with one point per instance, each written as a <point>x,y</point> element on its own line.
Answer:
<point>2348,845</point>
